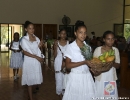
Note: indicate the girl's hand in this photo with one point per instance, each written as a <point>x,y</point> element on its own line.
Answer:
<point>41,43</point>
<point>40,59</point>
<point>14,51</point>
<point>56,43</point>
<point>18,50</point>
<point>96,73</point>
<point>87,62</point>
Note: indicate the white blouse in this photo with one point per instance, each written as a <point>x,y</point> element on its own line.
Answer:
<point>74,53</point>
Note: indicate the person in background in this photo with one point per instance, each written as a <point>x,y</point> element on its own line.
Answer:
<point>16,60</point>
<point>93,43</point>
<point>92,34</point>
<point>99,41</point>
<point>87,40</point>
<point>72,39</point>
<point>59,49</point>
<point>121,44</point>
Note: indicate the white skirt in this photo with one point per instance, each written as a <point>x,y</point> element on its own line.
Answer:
<point>65,80</point>
<point>32,73</point>
<point>108,76</point>
<point>80,86</point>
<point>16,60</point>
<point>58,76</point>
<point>59,83</point>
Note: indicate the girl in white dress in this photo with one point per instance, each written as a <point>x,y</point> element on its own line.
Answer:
<point>16,60</point>
<point>80,84</point>
<point>59,49</point>
<point>110,75</point>
<point>32,73</point>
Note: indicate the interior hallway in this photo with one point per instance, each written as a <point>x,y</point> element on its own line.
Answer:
<point>10,90</point>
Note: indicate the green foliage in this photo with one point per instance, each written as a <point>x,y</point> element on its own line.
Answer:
<point>126,30</point>
<point>86,52</point>
<point>50,41</point>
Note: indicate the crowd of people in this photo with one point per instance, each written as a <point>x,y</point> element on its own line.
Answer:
<point>73,76</point>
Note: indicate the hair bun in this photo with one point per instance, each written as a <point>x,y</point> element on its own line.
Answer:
<point>79,23</point>
<point>27,23</point>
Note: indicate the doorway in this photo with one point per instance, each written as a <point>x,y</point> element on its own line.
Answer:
<point>6,35</point>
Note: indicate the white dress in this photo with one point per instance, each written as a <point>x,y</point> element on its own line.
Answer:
<point>16,60</point>
<point>80,84</point>
<point>59,77</point>
<point>32,73</point>
<point>107,76</point>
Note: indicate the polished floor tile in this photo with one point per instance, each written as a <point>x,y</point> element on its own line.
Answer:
<point>12,90</point>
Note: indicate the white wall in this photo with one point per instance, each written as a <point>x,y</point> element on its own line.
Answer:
<point>99,15</point>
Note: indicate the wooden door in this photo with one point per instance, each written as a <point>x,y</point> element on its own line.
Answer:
<point>125,72</point>
<point>38,30</point>
<point>50,30</point>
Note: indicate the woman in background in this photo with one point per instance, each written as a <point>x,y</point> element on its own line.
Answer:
<point>16,60</point>
<point>59,49</point>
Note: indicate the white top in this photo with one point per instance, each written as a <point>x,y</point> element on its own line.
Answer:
<point>112,71</point>
<point>74,53</point>
<point>63,48</point>
<point>59,57</point>
<point>31,47</point>
<point>15,45</point>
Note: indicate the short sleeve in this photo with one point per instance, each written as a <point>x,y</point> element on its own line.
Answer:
<point>96,52</point>
<point>68,52</point>
<point>117,55</point>
<point>24,45</point>
<point>38,40</point>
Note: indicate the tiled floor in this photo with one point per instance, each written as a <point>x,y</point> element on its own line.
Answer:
<point>10,90</point>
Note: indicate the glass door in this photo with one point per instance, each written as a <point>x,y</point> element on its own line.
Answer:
<point>5,34</point>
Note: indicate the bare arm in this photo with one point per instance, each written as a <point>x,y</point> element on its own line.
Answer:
<point>33,56</point>
<point>55,49</point>
<point>11,46</point>
<point>116,65</point>
<point>70,64</point>
<point>29,54</point>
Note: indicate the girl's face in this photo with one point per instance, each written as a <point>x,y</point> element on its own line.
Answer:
<point>30,29</point>
<point>62,34</point>
<point>81,33</point>
<point>109,40</point>
<point>16,36</point>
